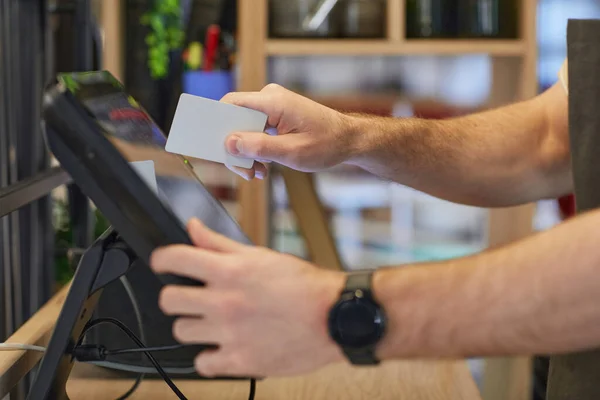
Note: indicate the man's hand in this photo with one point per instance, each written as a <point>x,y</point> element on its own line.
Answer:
<point>310,137</point>
<point>266,311</point>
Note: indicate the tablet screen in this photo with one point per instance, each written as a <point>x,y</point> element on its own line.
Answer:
<point>141,142</point>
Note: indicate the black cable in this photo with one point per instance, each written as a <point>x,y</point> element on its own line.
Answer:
<point>252,389</point>
<point>137,341</point>
<point>132,297</point>
<point>146,349</point>
<point>169,348</point>
<point>136,384</point>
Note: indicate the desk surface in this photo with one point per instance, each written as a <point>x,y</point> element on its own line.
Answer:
<point>413,380</point>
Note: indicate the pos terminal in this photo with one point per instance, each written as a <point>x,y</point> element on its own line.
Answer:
<point>98,133</point>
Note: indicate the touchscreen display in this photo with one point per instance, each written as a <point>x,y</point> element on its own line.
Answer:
<point>131,130</point>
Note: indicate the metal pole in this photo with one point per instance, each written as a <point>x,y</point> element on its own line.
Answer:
<point>3,135</point>
<point>79,207</point>
<point>48,236</point>
<point>15,126</point>
<point>83,36</point>
<point>29,166</point>
<point>5,173</point>
<point>13,133</point>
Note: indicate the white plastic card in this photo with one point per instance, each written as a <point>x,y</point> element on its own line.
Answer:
<point>201,126</point>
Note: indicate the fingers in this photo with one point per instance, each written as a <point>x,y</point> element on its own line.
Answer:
<point>195,331</point>
<point>186,301</point>
<point>247,174</point>
<point>253,100</point>
<point>189,262</point>
<point>213,363</point>
<point>208,239</point>
<point>261,170</point>
<point>265,101</point>
<point>258,170</point>
<point>261,146</point>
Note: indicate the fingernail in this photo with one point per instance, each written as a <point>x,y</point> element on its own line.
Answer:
<point>193,221</point>
<point>237,146</point>
<point>154,258</point>
<point>259,175</point>
<point>242,175</point>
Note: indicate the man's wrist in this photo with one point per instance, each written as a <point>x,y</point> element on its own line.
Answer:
<point>417,323</point>
<point>379,291</point>
<point>333,285</point>
<point>359,135</point>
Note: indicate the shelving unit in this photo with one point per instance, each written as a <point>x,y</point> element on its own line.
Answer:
<point>514,78</point>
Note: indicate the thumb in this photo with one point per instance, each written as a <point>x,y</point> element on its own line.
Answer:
<point>260,146</point>
<point>207,239</point>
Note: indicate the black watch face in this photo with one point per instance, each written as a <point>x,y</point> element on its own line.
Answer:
<point>356,323</point>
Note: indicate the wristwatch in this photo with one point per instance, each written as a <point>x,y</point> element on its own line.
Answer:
<point>357,322</point>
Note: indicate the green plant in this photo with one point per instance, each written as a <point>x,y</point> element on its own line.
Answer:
<point>64,269</point>
<point>166,34</point>
<point>63,241</point>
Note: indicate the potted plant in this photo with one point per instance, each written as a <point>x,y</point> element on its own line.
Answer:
<point>165,35</point>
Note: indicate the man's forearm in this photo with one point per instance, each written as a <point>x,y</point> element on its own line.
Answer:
<point>507,156</point>
<point>537,296</point>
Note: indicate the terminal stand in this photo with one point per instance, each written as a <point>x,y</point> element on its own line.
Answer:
<point>105,261</point>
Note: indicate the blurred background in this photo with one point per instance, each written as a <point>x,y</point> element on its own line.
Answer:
<point>425,58</point>
<point>434,59</point>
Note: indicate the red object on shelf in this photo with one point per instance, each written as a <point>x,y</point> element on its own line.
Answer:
<point>212,43</point>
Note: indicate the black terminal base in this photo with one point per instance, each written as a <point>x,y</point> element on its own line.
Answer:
<point>104,262</point>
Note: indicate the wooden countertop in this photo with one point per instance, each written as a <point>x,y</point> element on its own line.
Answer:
<point>414,380</point>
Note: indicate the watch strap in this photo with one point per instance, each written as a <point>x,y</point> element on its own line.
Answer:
<point>362,356</point>
<point>359,280</point>
<point>359,283</point>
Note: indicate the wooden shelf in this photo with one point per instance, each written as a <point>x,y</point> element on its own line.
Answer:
<point>304,47</point>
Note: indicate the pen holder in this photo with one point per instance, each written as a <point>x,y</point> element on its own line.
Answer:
<point>211,85</point>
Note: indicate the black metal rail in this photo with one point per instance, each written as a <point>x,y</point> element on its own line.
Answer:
<point>27,191</point>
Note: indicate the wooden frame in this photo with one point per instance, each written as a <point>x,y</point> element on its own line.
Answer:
<point>112,32</point>
<point>253,196</point>
<point>511,58</point>
<point>311,219</point>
